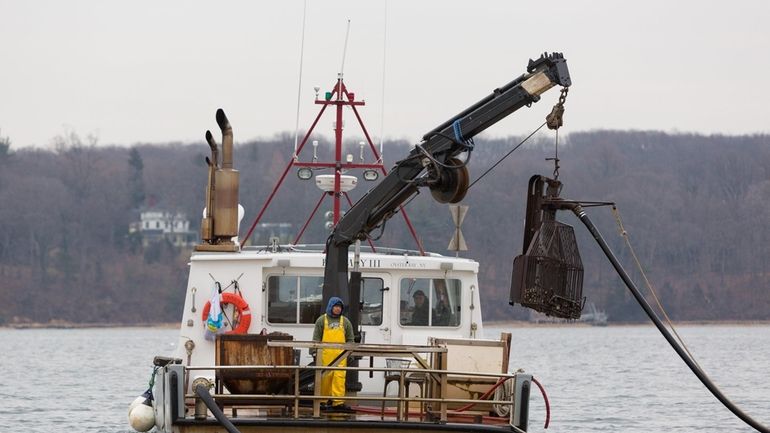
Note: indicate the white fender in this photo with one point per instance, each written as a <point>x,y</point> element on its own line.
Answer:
<point>141,417</point>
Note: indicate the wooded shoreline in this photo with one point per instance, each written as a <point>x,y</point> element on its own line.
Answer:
<point>492,324</point>
<point>696,209</point>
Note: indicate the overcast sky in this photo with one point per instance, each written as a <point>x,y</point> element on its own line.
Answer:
<point>156,71</point>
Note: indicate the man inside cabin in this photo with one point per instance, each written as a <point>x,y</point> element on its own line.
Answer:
<point>333,327</point>
<point>421,310</point>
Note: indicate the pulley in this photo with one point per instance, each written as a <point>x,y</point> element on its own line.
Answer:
<point>451,182</point>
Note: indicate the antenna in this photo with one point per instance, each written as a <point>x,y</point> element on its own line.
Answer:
<point>299,86</point>
<point>382,94</point>
<point>344,51</point>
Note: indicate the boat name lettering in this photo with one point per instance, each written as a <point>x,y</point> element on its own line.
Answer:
<point>365,263</point>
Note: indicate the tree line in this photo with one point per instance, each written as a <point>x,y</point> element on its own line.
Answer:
<point>696,209</point>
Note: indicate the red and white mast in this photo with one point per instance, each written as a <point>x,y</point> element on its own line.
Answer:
<point>339,97</point>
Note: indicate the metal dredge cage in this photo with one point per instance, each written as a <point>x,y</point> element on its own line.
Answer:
<point>549,277</point>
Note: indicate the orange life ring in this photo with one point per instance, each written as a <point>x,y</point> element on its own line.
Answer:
<point>243,312</point>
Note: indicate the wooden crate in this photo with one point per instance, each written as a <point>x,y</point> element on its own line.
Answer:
<point>251,349</point>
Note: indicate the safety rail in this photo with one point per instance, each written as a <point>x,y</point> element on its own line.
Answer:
<point>437,381</point>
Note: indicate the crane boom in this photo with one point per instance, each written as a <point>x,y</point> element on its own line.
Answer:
<point>422,167</point>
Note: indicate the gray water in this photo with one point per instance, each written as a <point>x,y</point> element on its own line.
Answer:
<point>613,379</point>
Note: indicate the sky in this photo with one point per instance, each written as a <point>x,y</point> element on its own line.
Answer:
<point>153,72</point>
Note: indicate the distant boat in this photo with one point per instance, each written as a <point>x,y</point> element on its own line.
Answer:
<point>590,315</point>
<point>593,315</point>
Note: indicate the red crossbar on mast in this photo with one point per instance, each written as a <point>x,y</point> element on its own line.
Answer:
<point>343,98</point>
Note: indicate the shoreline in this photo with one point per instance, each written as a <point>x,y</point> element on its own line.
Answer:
<point>489,324</point>
<point>525,324</point>
<point>72,325</point>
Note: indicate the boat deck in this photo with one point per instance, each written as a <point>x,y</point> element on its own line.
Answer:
<point>448,401</point>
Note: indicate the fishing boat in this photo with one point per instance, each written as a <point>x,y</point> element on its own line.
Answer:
<point>406,370</point>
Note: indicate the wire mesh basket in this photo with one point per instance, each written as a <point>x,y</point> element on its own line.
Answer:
<point>397,362</point>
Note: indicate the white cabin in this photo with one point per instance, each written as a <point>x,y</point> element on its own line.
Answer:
<point>284,293</point>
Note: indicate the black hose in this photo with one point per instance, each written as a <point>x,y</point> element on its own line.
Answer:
<point>663,330</point>
<point>203,392</point>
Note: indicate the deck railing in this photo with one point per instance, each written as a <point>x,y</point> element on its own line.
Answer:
<point>434,400</point>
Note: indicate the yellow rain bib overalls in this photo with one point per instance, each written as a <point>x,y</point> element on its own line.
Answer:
<point>333,382</point>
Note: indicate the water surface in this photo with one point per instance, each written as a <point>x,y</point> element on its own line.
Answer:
<point>627,378</point>
<point>612,379</point>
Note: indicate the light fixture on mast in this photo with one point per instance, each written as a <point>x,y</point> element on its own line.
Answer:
<point>304,173</point>
<point>371,175</point>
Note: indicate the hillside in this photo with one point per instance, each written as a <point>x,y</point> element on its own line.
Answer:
<point>696,209</point>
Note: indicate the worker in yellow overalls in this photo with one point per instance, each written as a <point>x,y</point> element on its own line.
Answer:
<point>333,327</point>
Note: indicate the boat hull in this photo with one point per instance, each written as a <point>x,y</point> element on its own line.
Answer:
<point>337,426</point>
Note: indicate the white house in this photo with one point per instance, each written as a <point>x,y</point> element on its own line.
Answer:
<point>155,225</point>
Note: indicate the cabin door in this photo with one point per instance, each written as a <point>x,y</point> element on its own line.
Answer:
<point>375,317</point>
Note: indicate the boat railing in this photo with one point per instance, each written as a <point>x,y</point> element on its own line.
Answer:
<point>437,380</point>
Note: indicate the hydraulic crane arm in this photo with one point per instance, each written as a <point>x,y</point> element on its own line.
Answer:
<point>422,167</point>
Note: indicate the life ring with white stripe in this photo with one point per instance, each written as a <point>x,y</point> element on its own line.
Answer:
<point>244,313</point>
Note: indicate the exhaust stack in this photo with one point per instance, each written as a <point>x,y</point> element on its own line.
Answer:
<point>207,225</point>
<point>220,221</point>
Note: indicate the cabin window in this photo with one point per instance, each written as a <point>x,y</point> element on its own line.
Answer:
<point>430,302</point>
<point>371,298</point>
<point>299,299</point>
<point>294,298</point>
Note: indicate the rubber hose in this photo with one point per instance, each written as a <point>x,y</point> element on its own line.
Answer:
<point>203,392</point>
<point>547,404</point>
<point>663,330</point>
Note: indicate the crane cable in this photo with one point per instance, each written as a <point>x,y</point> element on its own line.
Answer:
<point>554,120</point>
<point>506,155</point>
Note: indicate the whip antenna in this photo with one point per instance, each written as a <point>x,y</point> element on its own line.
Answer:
<point>299,84</point>
<point>344,51</point>
<point>382,96</point>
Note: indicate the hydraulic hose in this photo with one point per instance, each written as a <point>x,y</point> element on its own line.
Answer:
<point>203,392</point>
<point>547,404</point>
<point>578,210</point>
<point>483,396</point>
<point>497,385</point>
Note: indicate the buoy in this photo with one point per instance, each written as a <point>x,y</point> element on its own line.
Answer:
<point>141,415</point>
<point>243,312</point>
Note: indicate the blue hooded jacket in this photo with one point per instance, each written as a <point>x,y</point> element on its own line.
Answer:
<point>332,302</point>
